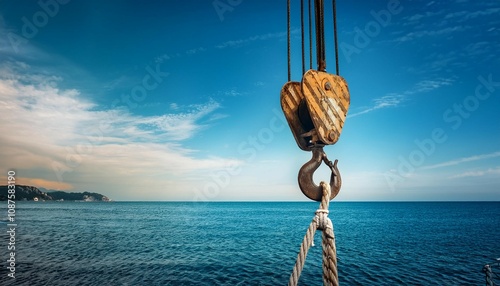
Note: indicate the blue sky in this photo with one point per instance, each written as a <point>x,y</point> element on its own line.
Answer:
<point>179,100</point>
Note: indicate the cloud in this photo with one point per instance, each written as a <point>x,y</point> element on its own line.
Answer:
<point>479,48</point>
<point>56,138</point>
<point>174,106</point>
<point>240,42</point>
<point>417,18</point>
<point>227,44</point>
<point>471,27</point>
<point>184,125</point>
<point>450,20</point>
<point>162,58</point>
<point>468,15</point>
<point>429,85</point>
<point>195,50</point>
<point>455,16</point>
<point>190,52</point>
<point>119,82</point>
<point>479,173</point>
<point>381,102</point>
<point>395,99</point>
<point>431,33</point>
<point>462,160</point>
<point>230,92</point>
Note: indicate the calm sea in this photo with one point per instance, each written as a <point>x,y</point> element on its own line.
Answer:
<point>145,243</point>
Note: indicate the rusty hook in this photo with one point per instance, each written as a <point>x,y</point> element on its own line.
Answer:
<point>306,183</point>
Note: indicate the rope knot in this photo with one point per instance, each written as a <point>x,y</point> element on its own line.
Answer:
<point>322,219</point>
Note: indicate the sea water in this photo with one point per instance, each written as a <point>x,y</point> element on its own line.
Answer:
<point>248,243</point>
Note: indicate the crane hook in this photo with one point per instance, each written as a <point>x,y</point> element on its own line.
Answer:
<point>306,183</point>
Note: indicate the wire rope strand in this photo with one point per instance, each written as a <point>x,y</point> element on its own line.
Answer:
<point>320,33</point>
<point>310,37</point>
<point>288,41</point>
<point>334,4</point>
<point>322,27</point>
<point>302,32</point>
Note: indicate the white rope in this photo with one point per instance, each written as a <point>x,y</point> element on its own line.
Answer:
<point>322,222</point>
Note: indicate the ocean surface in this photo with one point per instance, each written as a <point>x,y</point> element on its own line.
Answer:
<point>241,243</point>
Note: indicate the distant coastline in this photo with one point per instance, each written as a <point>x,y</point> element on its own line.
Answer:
<point>31,193</point>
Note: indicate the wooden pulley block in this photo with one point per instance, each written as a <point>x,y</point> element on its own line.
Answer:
<point>291,99</point>
<point>327,99</point>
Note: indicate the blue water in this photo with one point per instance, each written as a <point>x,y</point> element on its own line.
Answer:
<point>132,243</point>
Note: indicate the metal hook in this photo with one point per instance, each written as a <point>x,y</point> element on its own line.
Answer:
<point>306,183</point>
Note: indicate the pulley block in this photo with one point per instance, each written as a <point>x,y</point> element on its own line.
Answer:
<point>327,99</point>
<point>316,108</point>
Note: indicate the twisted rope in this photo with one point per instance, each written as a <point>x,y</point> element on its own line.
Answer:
<point>322,222</point>
<point>489,277</point>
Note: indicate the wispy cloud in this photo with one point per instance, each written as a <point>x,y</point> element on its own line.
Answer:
<point>240,42</point>
<point>477,173</point>
<point>431,33</point>
<point>442,17</point>
<point>379,103</point>
<point>478,48</point>
<point>230,92</point>
<point>474,22</point>
<point>118,82</point>
<point>168,56</point>
<point>395,99</point>
<point>174,106</point>
<point>444,21</point>
<point>462,160</point>
<point>468,15</point>
<point>181,126</point>
<point>227,44</point>
<point>429,85</point>
<point>43,124</point>
<point>417,18</point>
<point>196,50</point>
